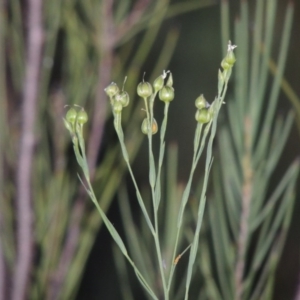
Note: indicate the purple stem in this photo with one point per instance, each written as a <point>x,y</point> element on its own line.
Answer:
<point>2,273</point>
<point>24,213</point>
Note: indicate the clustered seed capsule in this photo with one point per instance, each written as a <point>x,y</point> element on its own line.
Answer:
<point>73,118</point>
<point>229,60</point>
<point>122,98</point>
<point>118,99</point>
<point>166,94</point>
<point>204,113</point>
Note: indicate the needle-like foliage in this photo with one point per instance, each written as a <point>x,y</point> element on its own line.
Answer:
<point>250,211</point>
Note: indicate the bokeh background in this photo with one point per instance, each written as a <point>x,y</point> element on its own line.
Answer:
<point>83,46</point>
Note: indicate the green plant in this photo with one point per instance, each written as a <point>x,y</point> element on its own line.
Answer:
<point>251,202</point>
<point>206,117</point>
<point>250,210</point>
<point>55,52</point>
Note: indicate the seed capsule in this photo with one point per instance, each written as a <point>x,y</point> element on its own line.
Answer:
<point>166,94</point>
<point>158,83</point>
<point>111,90</point>
<point>82,117</point>
<point>230,58</point>
<point>203,116</point>
<point>122,98</point>
<point>200,102</point>
<point>145,127</point>
<point>144,89</point>
<point>71,115</point>
<point>225,65</point>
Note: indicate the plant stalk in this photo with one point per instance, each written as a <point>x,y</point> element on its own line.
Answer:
<point>25,159</point>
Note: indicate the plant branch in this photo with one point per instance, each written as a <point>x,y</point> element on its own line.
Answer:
<point>26,152</point>
<point>133,18</point>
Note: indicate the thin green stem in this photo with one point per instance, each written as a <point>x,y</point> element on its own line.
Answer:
<point>152,180</point>
<point>198,148</point>
<point>184,199</point>
<point>161,155</point>
<point>120,134</point>
<point>140,276</point>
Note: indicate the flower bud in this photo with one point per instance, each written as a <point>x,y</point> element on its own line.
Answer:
<point>166,94</point>
<point>158,83</point>
<point>203,116</point>
<point>144,89</point>
<point>111,90</point>
<point>82,117</point>
<point>71,115</point>
<point>145,127</point>
<point>200,102</point>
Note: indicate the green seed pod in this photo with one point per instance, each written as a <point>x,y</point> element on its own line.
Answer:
<point>117,107</point>
<point>71,115</point>
<point>115,98</point>
<point>225,65</point>
<point>203,116</point>
<point>166,94</point>
<point>200,102</point>
<point>144,89</point>
<point>145,127</point>
<point>111,90</point>
<point>158,83</point>
<point>170,80</point>
<point>122,98</point>
<point>230,58</point>
<point>82,117</point>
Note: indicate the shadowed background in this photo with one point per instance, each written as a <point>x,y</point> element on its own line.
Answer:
<point>78,54</point>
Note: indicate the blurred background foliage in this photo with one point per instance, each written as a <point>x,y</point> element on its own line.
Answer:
<point>87,44</point>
